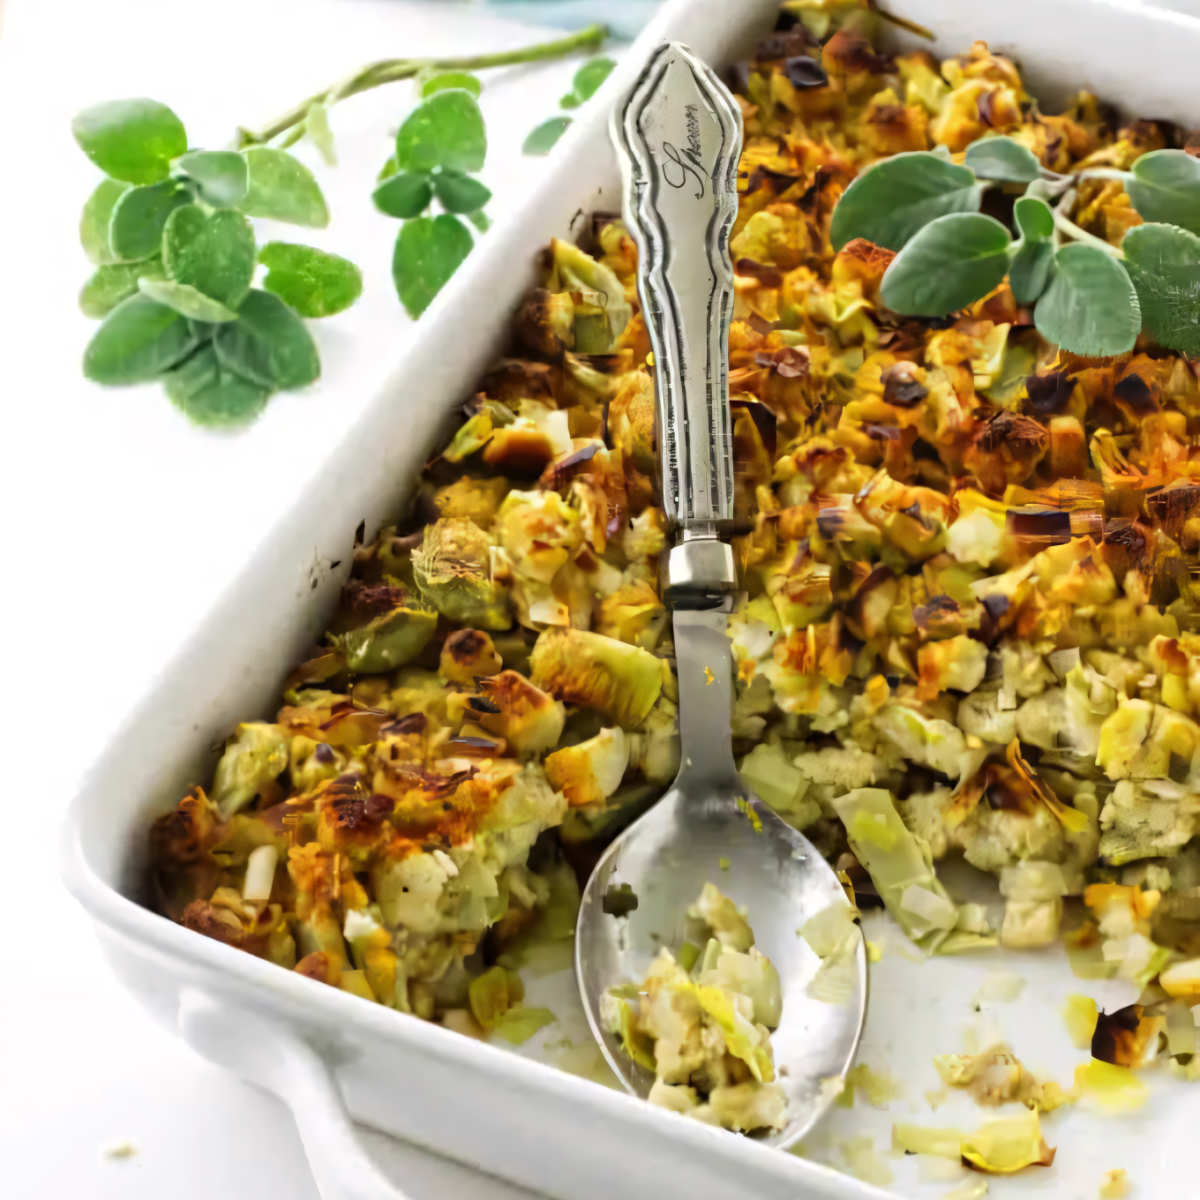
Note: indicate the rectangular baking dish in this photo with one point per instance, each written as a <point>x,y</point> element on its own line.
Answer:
<point>503,1111</point>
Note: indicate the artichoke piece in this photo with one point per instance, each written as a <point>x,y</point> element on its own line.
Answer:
<point>469,654</point>
<point>928,741</point>
<point>633,613</point>
<point>599,672</point>
<point>539,532</point>
<point>601,310</point>
<point>257,755</point>
<point>768,772</point>
<point>631,420</point>
<point>526,717</point>
<point>546,322</point>
<point>381,626</point>
<point>1140,740</point>
<point>471,497</point>
<point>1175,923</point>
<point>654,745</point>
<point>452,570</point>
<point>591,771</point>
<point>901,868</point>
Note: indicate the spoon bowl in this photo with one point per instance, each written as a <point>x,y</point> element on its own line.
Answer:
<point>709,829</point>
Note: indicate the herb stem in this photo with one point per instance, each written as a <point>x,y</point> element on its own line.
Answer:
<point>1064,224</point>
<point>1102,173</point>
<point>389,70</point>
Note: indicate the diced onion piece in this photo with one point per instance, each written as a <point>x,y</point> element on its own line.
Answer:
<point>919,1139</point>
<point>829,930</point>
<point>556,426</point>
<point>834,982</point>
<point>1033,881</point>
<point>1008,1144</point>
<point>1063,662</point>
<point>1181,1029</point>
<point>1182,980</point>
<point>260,873</point>
<point>1079,1015</point>
<point>1109,1088</point>
<point>936,911</point>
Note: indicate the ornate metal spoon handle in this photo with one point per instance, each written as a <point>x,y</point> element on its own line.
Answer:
<point>678,136</point>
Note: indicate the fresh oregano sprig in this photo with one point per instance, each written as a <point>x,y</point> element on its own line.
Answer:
<point>1088,296</point>
<point>169,231</point>
<point>175,255</point>
<point>587,80</point>
<point>294,123</point>
<point>439,149</point>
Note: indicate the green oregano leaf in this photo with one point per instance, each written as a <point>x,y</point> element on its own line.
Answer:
<point>480,220</point>
<point>316,125</point>
<point>268,344</point>
<point>212,252</point>
<point>95,218</point>
<point>404,194</point>
<point>220,176</point>
<point>1165,186</point>
<point>136,342</point>
<point>1029,271</point>
<point>283,188</point>
<point>131,140</point>
<point>388,168</point>
<point>590,76</point>
<point>1090,306</point>
<point>445,131</point>
<point>314,283</point>
<point>459,193</point>
<point>1002,158</point>
<point>569,100</point>
<point>1034,219</point>
<point>428,251</point>
<point>441,81</point>
<point>951,262</point>
<point>1164,263</point>
<point>186,300</point>
<point>207,391</point>
<point>135,228</point>
<point>113,282</point>
<point>541,140</point>
<point>894,198</point>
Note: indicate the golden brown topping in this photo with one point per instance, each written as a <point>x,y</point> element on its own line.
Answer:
<point>468,654</point>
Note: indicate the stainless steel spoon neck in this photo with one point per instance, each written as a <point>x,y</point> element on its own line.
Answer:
<point>679,137</point>
<point>705,672</point>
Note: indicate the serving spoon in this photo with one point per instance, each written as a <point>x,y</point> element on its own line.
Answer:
<point>678,136</point>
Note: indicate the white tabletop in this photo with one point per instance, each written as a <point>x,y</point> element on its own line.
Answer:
<point>121,523</point>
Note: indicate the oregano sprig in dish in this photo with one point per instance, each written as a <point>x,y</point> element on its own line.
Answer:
<point>1088,296</point>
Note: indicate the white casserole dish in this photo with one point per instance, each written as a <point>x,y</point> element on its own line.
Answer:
<point>499,1110</point>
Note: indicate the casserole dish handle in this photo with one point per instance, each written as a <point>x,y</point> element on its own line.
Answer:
<point>276,1057</point>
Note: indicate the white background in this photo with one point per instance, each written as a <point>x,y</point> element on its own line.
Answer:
<point>121,522</point>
